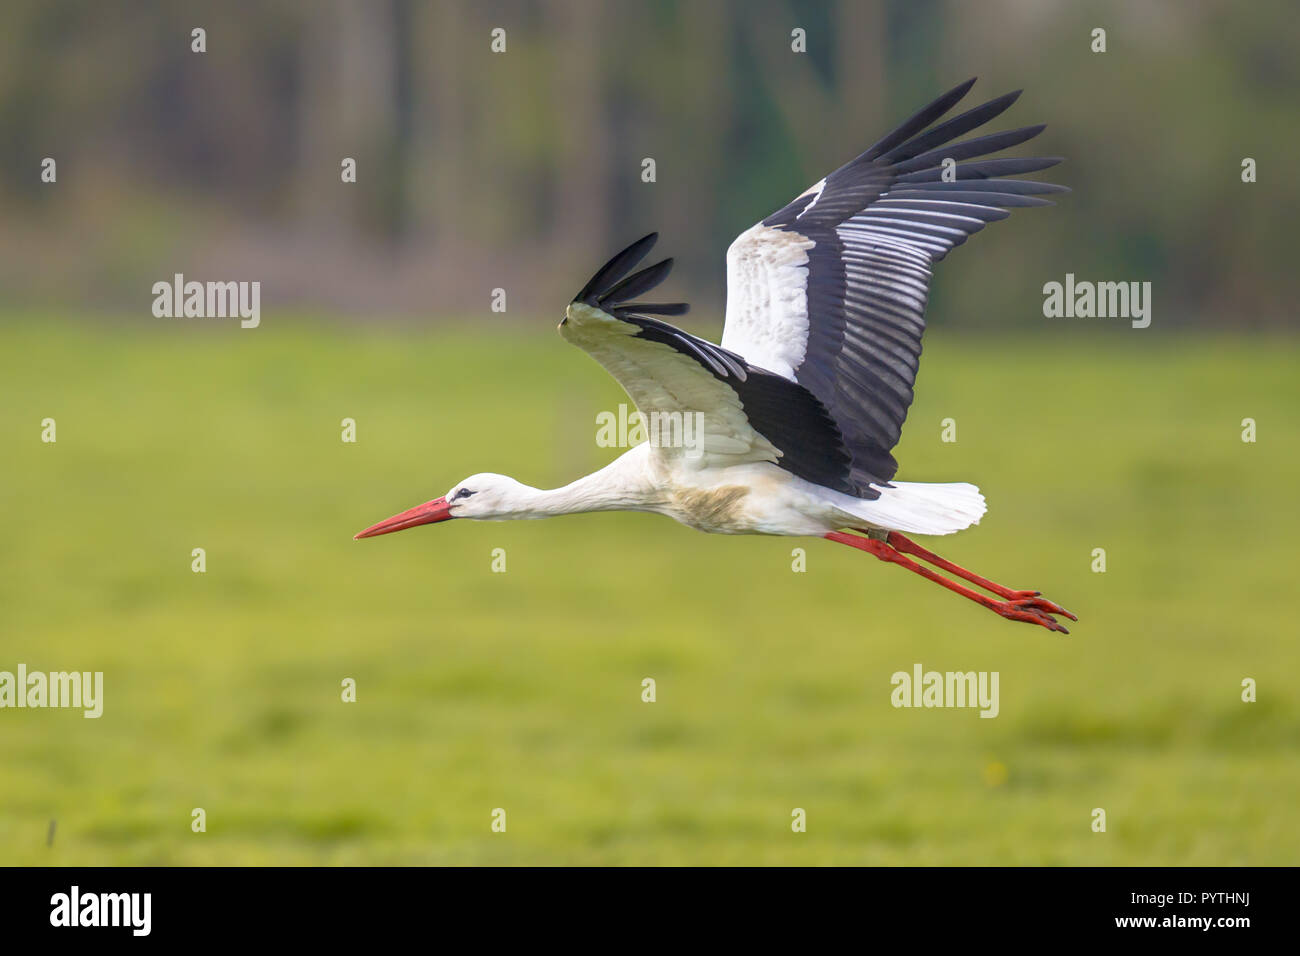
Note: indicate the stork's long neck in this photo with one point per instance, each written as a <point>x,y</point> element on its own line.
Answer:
<point>621,485</point>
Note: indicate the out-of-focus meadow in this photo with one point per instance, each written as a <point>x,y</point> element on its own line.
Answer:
<point>522,690</point>
<point>502,170</point>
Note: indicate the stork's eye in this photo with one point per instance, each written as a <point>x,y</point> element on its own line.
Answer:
<point>463,493</point>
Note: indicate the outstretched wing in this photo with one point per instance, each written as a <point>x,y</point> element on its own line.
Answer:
<point>747,413</point>
<point>830,291</point>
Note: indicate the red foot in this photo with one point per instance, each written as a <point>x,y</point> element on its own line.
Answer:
<point>1032,611</point>
<point>1034,599</point>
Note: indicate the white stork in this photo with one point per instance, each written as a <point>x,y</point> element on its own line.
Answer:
<point>806,396</point>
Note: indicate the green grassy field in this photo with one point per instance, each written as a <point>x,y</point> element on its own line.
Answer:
<point>522,690</point>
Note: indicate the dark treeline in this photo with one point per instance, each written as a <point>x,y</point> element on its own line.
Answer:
<point>524,169</point>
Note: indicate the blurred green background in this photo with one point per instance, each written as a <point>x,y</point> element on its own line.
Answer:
<point>522,690</point>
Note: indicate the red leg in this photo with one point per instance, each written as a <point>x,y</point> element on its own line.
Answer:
<point>1020,605</point>
<point>906,545</point>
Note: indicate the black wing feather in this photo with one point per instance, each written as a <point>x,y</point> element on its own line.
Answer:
<point>609,290</point>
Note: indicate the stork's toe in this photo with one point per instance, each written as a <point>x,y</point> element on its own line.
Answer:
<point>1031,611</point>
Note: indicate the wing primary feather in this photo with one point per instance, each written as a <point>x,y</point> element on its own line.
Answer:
<point>964,186</point>
<point>614,270</point>
<point>988,198</point>
<point>950,130</point>
<point>919,120</point>
<point>985,169</point>
<point>979,146</point>
<point>654,308</point>
<point>637,283</point>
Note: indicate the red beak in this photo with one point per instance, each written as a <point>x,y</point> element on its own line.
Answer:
<point>436,510</point>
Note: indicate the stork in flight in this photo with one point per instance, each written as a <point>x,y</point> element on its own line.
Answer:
<point>806,396</point>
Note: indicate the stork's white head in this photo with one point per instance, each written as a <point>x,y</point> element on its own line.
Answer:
<point>484,496</point>
<point>488,496</point>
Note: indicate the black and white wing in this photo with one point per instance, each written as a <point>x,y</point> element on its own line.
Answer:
<point>748,414</point>
<point>830,291</point>
<point>825,305</point>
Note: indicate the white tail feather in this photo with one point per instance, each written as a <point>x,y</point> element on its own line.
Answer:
<point>925,508</point>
